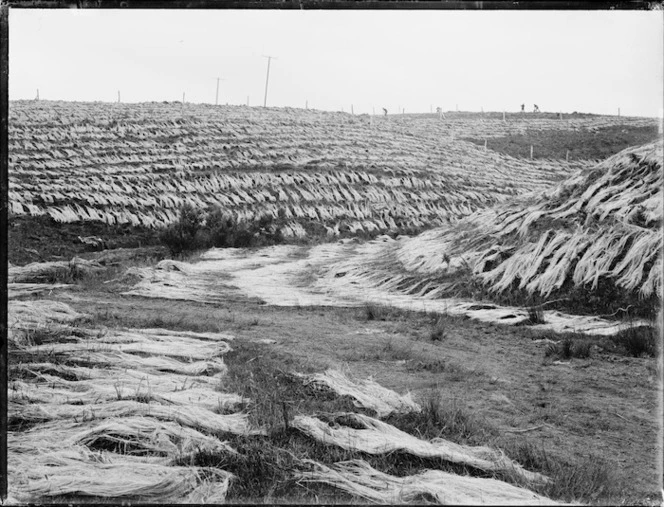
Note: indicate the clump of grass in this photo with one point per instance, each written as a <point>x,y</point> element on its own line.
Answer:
<point>263,376</point>
<point>433,366</point>
<point>586,478</point>
<point>392,352</point>
<point>441,418</point>
<point>535,315</point>
<point>438,331</point>
<point>374,312</point>
<point>569,348</point>
<point>638,341</point>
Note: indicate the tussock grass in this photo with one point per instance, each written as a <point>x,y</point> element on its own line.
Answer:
<point>584,479</point>
<point>638,341</point>
<point>569,348</point>
<point>535,315</point>
<point>375,312</point>
<point>438,331</point>
<point>444,418</point>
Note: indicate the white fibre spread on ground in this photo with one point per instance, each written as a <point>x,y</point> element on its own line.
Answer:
<point>323,275</point>
<point>112,412</point>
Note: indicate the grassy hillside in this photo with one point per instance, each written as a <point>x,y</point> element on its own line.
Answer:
<point>596,144</point>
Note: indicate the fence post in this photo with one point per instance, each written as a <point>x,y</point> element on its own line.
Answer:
<point>504,116</point>
<point>352,111</point>
<point>567,156</point>
<point>531,152</point>
<point>485,144</point>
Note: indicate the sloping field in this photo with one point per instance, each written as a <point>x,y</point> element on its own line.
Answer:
<point>601,226</point>
<point>136,164</point>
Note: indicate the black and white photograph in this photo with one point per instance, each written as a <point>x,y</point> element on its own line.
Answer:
<point>305,255</point>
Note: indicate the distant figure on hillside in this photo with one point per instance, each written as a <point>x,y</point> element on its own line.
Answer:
<point>536,109</point>
<point>523,108</point>
<point>385,111</point>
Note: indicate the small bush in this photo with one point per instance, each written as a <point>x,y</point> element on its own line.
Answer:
<point>535,315</point>
<point>638,341</point>
<point>196,229</point>
<point>438,332</point>
<point>582,350</point>
<point>182,235</point>
<point>569,348</point>
<point>374,312</point>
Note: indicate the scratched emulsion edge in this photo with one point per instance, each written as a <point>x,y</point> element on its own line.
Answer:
<point>4,144</point>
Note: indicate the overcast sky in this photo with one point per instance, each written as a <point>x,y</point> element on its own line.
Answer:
<point>590,61</point>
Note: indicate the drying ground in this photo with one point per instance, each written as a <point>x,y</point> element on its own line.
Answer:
<point>582,410</point>
<point>588,422</point>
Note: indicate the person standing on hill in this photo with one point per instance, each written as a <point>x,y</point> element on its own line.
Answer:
<point>523,108</point>
<point>536,109</point>
<point>385,111</point>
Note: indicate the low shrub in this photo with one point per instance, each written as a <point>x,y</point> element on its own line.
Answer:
<point>184,234</point>
<point>374,312</point>
<point>438,331</point>
<point>638,341</point>
<point>569,348</point>
<point>196,229</point>
<point>535,315</point>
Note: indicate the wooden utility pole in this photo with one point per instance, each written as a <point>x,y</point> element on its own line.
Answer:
<point>267,77</point>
